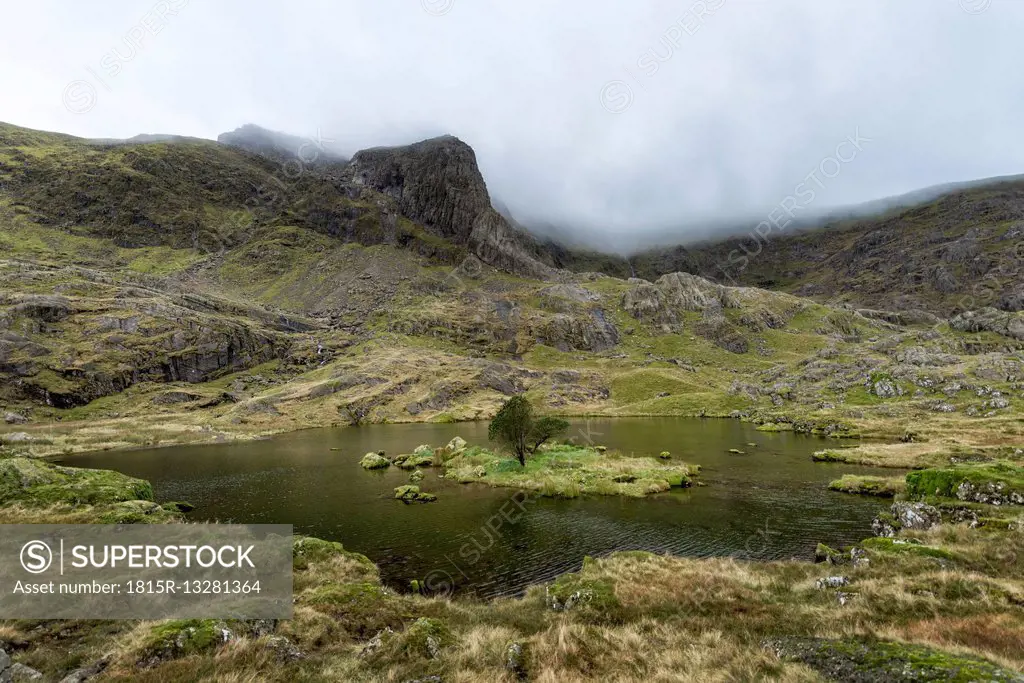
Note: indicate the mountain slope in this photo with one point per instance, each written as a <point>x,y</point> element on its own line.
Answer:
<point>961,251</point>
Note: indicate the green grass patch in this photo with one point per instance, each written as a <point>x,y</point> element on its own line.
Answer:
<point>883,487</point>
<point>566,471</point>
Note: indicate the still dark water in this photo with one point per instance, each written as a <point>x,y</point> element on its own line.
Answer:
<point>769,504</point>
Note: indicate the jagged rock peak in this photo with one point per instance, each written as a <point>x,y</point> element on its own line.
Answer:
<point>438,184</point>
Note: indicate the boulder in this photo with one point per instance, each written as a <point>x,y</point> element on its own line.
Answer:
<point>374,461</point>
<point>87,673</point>
<point>15,673</point>
<point>832,582</point>
<point>823,553</point>
<point>886,388</point>
<point>14,418</point>
<point>884,526</point>
<point>456,446</point>
<point>916,516</point>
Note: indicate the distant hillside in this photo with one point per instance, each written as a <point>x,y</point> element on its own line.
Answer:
<point>282,146</point>
<point>959,251</point>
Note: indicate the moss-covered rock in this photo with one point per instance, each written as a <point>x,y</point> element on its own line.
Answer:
<point>423,456</point>
<point>823,553</point>
<point>425,637</point>
<point>32,482</point>
<point>374,461</point>
<point>183,637</point>
<point>412,494</point>
<point>999,483</point>
<point>577,591</point>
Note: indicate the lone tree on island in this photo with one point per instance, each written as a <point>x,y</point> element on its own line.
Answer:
<point>516,427</point>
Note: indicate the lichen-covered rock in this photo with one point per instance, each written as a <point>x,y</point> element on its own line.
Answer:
<point>87,672</point>
<point>183,637</point>
<point>832,582</point>
<point>884,526</point>
<point>455,446</point>
<point>426,637</point>
<point>916,516</point>
<point>16,437</point>
<point>374,461</point>
<point>687,292</point>
<point>886,388</point>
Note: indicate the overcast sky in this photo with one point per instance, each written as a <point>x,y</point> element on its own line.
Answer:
<point>618,117</point>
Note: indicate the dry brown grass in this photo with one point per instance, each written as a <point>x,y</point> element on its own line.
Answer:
<point>999,635</point>
<point>654,651</point>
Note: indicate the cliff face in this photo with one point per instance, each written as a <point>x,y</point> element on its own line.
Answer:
<point>438,184</point>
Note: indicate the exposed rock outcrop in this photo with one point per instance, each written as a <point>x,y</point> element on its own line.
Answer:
<point>990,320</point>
<point>591,332</point>
<point>438,184</point>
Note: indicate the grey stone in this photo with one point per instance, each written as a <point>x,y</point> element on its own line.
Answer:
<point>832,582</point>
<point>916,516</point>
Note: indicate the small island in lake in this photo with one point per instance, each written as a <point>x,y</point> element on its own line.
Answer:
<point>559,470</point>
